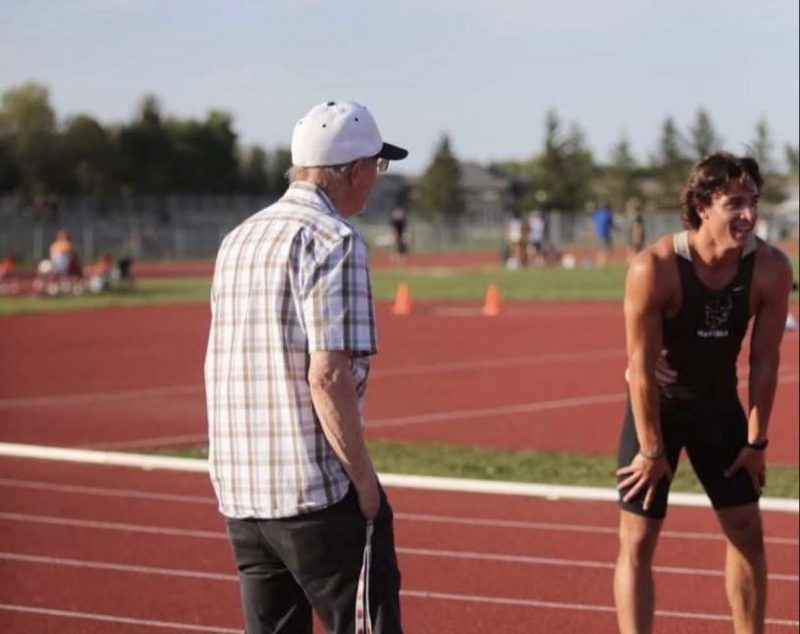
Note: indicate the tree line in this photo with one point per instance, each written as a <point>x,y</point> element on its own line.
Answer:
<point>157,154</point>
<point>564,175</point>
<point>153,154</point>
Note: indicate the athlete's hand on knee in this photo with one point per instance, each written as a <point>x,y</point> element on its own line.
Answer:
<point>752,461</point>
<point>643,472</point>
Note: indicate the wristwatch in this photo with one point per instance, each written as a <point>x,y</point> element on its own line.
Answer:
<point>760,445</point>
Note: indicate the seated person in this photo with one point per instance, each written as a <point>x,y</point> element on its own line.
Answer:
<point>7,267</point>
<point>61,252</point>
<point>100,274</point>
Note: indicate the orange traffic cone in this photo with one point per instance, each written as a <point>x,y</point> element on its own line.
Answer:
<point>402,300</point>
<point>491,306</point>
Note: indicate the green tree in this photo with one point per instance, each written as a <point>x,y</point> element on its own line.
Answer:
<point>279,164</point>
<point>439,189</point>
<point>9,174</point>
<point>703,138</point>
<point>670,165</point>
<point>204,154</point>
<point>621,175</point>
<point>146,152</point>
<point>762,145</point>
<point>87,156</point>
<point>254,171</point>
<point>562,174</point>
<point>792,158</point>
<point>28,137</point>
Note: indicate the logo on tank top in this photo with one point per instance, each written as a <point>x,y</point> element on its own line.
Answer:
<point>717,311</point>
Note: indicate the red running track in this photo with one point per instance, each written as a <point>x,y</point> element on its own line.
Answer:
<point>94,549</point>
<point>538,376</point>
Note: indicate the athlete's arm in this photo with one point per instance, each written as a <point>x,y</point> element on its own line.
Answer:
<point>645,298</point>
<point>772,284</point>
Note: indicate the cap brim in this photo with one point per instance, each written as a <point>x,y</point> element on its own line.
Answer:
<point>392,152</point>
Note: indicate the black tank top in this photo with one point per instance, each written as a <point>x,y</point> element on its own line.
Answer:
<point>702,342</point>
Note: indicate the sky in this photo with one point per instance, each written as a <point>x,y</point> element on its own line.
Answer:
<point>483,71</point>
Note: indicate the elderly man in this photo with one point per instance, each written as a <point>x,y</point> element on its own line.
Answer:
<point>292,330</point>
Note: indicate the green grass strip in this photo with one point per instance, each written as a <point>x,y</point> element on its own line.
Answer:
<point>548,467</point>
<point>430,284</point>
<point>145,293</point>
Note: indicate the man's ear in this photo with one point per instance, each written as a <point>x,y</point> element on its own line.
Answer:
<point>354,173</point>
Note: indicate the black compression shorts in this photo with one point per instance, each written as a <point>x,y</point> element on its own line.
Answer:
<point>712,432</point>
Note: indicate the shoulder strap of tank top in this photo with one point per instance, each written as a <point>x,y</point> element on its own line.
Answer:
<point>750,246</point>
<point>680,242</point>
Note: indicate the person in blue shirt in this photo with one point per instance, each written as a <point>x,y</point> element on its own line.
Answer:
<point>603,223</point>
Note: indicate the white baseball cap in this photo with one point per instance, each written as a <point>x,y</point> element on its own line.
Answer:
<point>335,133</point>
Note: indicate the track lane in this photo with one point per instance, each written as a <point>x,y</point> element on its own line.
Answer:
<point>467,572</point>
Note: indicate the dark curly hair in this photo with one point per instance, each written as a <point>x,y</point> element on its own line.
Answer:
<point>712,176</point>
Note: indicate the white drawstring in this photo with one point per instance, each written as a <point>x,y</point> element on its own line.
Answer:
<point>363,619</point>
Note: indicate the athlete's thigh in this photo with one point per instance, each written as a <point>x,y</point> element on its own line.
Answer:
<point>719,435</point>
<point>672,431</point>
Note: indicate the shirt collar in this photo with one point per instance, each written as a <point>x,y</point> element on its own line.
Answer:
<point>312,195</point>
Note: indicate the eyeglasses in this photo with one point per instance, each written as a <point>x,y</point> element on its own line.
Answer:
<point>383,164</point>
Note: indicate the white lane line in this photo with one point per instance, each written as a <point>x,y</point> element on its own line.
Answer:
<point>108,565</point>
<point>485,364</point>
<point>496,487</point>
<point>420,552</point>
<point>557,605</point>
<point>398,515</point>
<point>567,563</point>
<point>38,485</point>
<point>522,408</point>
<point>111,618</point>
<point>413,370</point>
<point>573,528</point>
<point>416,594</point>
<point>111,526</point>
<point>504,410</point>
<point>403,550</point>
<point>100,397</point>
<point>788,375</point>
<point>150,443</point>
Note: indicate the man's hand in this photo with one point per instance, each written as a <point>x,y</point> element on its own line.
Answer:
<point>369,498</point>
<point>753,461</point>
<point>643,472</point>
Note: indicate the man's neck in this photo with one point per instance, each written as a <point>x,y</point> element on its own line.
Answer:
<point>337,200</point>
<point>710,252</point>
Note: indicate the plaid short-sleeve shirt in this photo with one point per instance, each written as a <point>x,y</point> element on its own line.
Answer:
<point>290,280</point>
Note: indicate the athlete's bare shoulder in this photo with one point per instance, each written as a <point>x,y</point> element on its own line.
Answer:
<point>652,273</point>
<point>773,270</point>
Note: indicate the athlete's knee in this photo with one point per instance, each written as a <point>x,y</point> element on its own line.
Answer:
<point>638,537</point>
<point>743,528</point>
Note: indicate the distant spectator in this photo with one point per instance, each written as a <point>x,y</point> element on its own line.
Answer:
<point>636,235</point>
<point>399,224</point>
<point>538,230</point>
<point>518,232</point>
<point>100,275</point>
<point>8,268</point>
<point>603,230</point>
<point>61,252</point>
<point>125,270</point>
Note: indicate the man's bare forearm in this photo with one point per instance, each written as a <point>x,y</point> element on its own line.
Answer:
<point>645,406</point>
<point>763,382</point>
<point>333,394</point>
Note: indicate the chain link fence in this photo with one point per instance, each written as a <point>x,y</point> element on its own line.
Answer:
<point>185,228</point>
